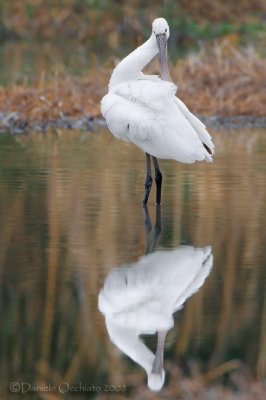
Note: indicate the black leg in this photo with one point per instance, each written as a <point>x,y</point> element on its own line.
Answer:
<point>157,228</point>
<point>151,242</point>
<point>148,229</point>
<point>158,180</point>
<point>148,182</point>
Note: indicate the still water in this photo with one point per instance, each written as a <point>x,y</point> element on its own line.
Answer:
<point>88,276</point>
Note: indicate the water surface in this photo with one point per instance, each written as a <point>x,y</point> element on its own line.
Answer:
<point>71,212</point>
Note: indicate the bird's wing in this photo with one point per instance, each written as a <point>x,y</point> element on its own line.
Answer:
<point>199,127</point>
<point>129,298</point>
<point>146,113</point>
<point>201,262</point>
<point>130,108</point>
<point>120,293</point>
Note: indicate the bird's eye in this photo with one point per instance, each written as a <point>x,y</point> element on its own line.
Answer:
<point>165,30</point>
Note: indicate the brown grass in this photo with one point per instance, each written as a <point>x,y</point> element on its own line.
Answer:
<point>219,81</point>
<point>223,81</point>
<point>52,98</point>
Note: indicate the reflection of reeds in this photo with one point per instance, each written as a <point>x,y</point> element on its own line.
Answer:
<point>79,202</point>
<point>52,265</point>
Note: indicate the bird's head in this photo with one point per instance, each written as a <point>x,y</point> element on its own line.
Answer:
<point>156,381</point>
<point>160,30</point>
<point>160,27</point>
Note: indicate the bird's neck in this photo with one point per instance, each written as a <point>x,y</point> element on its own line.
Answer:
<point>129,342</point>
<point>132,65</point>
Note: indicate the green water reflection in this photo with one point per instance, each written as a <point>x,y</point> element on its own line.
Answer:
<point>70,212</point>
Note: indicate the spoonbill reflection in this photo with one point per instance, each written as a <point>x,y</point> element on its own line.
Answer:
<point>141,298</point>
<point>144,110</point>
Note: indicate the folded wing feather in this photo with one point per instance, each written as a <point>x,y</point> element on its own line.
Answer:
<point>147,113</point>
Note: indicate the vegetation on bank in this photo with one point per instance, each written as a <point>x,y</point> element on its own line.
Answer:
<point>220,80</point>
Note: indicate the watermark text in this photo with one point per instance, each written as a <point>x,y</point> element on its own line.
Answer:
<point>64,387</point>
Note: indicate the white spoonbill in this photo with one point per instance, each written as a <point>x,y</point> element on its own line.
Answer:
<point>142,297</point>
<point>143,109</point>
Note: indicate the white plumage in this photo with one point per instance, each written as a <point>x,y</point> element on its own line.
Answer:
<point>144,109</point>
<point>141,298</point>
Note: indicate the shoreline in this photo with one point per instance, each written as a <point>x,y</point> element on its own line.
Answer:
<point>13,124</point>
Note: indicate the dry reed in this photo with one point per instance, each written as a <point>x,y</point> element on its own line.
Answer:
<point>219,81</point>
<point>223,80</point>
